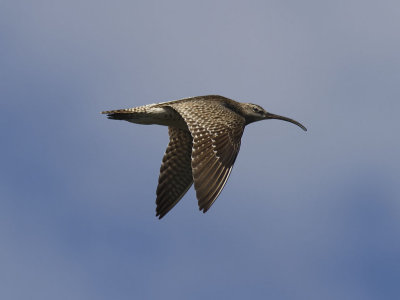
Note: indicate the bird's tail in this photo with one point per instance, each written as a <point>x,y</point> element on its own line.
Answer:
<point>126,113</point>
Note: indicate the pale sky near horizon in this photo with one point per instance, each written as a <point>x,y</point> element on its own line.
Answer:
<point>312,215</point>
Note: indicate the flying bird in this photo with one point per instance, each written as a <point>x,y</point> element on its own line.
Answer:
<point>204,141</point>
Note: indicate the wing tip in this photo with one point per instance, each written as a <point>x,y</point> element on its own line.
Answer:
<point>160,216</point>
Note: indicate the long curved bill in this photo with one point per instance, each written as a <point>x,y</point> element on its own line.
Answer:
<point>278,117</point>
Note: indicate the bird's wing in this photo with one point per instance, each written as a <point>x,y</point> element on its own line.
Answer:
<point>175,172</point>
<point>216,132</point>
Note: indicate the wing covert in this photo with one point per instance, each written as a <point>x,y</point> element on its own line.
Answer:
<point>216,132</point>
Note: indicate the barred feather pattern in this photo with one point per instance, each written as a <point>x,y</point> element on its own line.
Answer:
<point>175,172</point>
<point>205,134</point>
<point>216,132</point>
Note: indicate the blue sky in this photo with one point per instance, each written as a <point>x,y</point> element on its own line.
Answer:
<point>311,215</point>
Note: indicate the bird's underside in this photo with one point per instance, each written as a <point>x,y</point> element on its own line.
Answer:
<point>205,134</point>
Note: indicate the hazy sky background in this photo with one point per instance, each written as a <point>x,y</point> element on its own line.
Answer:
<point>311,215</point>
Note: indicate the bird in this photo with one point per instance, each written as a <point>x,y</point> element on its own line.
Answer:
<point>204,140</point>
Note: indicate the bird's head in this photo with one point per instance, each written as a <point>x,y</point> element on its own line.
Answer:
<point>254,113</point>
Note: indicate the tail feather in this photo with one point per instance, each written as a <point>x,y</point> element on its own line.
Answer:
<point>118,111</point>
<point>124,114</point>
<point>120,116</point>
<point>139,115</point>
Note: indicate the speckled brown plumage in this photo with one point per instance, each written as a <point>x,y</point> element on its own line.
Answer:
<point>205,134</point>
<point>216,132</point>
<point>175,172</point>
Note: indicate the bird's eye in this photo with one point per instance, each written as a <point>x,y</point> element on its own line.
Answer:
<point>257,110</point>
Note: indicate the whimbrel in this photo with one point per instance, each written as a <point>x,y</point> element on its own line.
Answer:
<point>205,134</point>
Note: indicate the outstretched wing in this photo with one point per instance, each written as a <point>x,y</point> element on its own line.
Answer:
<point>176,171</point>
<point>216,132</point>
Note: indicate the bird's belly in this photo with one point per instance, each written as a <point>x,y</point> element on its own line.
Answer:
<point>160,116</point>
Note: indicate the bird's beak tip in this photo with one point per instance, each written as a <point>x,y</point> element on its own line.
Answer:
<point>278,117</point>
